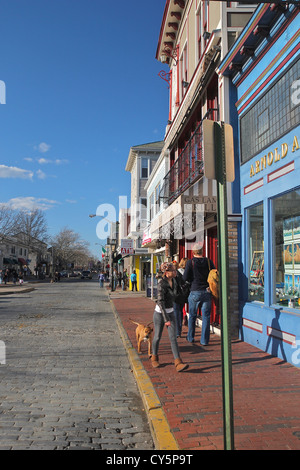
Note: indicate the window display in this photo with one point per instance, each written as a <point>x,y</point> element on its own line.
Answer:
<point>286,210</point>
<point>256,253</point>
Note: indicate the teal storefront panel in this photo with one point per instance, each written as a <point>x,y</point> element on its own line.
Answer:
<point>271,327</point>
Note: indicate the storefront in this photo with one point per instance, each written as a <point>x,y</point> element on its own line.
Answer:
<point>267,91</point>
<point>156,256</point>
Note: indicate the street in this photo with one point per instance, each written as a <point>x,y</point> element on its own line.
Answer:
<point>66,382</point>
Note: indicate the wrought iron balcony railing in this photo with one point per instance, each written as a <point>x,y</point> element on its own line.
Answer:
<point>188,167</point>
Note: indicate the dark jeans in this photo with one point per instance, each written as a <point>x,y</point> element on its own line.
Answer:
<point>200,299</point>
<point>178,311</point>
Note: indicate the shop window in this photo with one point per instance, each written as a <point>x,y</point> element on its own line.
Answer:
<point>286,242</point>
<point>273,115</point>
<point>256,253</point>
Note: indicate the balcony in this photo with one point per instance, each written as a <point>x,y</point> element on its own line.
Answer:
<point>188,168</point>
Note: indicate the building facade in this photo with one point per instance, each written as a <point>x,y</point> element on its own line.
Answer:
<point>194,36</point>
<point>17,255</point>
<point>262,72</point>
<point>140,163</point>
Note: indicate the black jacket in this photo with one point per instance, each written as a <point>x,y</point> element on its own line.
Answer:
<point>182,289</point>
<point>196,273</point>
<point>166,296</point>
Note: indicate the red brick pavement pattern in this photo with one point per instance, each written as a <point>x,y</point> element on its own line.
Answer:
<point>266,390</point>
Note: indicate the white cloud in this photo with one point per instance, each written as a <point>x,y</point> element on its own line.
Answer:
<point>43,161</point>
<point>60,162</point>
<point>31,203</point>
<point>71,201</point>
<point>41,175</point>
<point>14,172</point>
<point>28,159</point>
<point>43,147</point>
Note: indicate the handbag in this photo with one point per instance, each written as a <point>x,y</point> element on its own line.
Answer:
<point>183,290</point>
<point>213,281</point>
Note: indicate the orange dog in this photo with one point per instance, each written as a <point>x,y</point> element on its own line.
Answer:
<point>143,333</point>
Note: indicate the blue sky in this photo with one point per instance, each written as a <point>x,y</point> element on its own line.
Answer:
<point>82,87</point>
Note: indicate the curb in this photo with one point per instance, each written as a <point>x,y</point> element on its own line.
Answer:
<point>160,429</point>
<point>18,291</point>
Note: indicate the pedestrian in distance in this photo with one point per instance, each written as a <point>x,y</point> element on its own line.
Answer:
<point>6,277</point>
<point>196,273</point>
<point>14,276</point>
<point>164,315</point>
<point>101,279</point>
<point>124,279</point>
<point>133,281</point>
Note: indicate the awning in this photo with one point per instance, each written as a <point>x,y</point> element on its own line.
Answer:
<point>8,261</point>
<point>22,261</point>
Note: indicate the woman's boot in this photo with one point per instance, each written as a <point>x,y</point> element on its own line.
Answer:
<point>179,365</point>
<point>154,360</point>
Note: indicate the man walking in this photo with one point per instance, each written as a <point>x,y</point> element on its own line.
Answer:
<point>196,273</point>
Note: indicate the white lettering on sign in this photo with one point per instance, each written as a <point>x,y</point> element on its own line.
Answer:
<point>127,251</point>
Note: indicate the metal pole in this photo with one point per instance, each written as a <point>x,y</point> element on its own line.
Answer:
<point>223,260</point>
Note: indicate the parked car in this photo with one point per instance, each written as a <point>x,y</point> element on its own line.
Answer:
<point>73,274</point>
<point>64,274</point>
<point>86,275</point>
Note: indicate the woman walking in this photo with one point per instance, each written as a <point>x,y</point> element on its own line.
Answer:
<point>164,315</point>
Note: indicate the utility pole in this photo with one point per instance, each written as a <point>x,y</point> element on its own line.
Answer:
<point>219,165</point>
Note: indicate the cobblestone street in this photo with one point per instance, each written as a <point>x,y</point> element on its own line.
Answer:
<point>67,382</point>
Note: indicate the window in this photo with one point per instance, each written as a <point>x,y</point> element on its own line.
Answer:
<point>157,200</point>
<point>286,246</point>
<point>256,253</point>
<point>232,37</point>
<point>20,251</point>
<point>198,32</point>
<point>144,172</point>
<point>151,206</point>
<point>184,71</point>
<point>143,211</point>
<point>275,114</point>
<point>205,5</point>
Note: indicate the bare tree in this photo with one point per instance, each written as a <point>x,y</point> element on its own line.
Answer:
<point>69,248</point>
<point>9,221</point>
<point>33,228</point>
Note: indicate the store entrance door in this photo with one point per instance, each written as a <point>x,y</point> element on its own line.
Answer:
<point>146,265</point>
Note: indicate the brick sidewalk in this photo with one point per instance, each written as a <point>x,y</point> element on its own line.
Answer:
<point>266,390</point>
